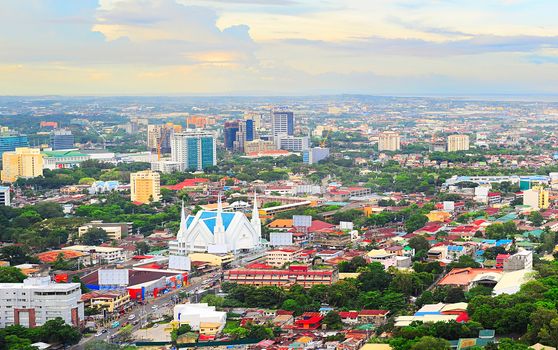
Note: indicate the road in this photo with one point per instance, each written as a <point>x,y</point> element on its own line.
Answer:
<point>155,308</point>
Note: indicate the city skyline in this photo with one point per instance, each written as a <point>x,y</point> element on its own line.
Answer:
<point>279,47</point>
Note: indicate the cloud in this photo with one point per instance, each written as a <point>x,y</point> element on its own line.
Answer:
<point>160,32</point>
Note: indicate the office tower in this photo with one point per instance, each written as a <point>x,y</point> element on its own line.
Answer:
<point>145,186</point>
<point>61,139</point>
<point>294,143</point>
<point>458,143</point>
<point>160,135</point>
<point>11,142</point>
<point>282,123</point>
<point>230,130</point>
<point>194,150</point>
<point>5,196</point>
<point>23,162</point>
<point>246,133</point>
<point>536,198</point>
<point>315,154</point>
<point>389,141</point>
<point>256,117</point>
<point>259,145</point>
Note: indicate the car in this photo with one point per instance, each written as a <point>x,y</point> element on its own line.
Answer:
<point>131,317</point>
<point>155,325</point>
<point>104,331</point>
<point>154,307</point>
<point>98,334</point>
<point>135,322</point>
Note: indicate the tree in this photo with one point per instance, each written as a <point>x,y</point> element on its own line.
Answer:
<point>431,343</point>
<point>10,274</point>
<point>415,221</point>
<point>94,236</point>
<point>333,320</point>
<point>100,345</point>
<point>259,332</point>
<point>536,218</point>
<point>142,247</point>
<point>16,255</point>
<point>374,277</point>
<point>49,210</point>
<point>419,243</point>
<point>57,331</point>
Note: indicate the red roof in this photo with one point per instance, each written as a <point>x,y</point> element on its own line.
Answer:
<point>373,312</point>
<point>319,225</point>
<point>348,314</point>
<point>186,183</point>
<point>463,317</point>
<point>142,257</point>
<point>258,266</point>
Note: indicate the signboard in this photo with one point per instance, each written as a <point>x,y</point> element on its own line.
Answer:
<point>302,220</point>
<point>178,262</point>
<point>281,238</point>
<point>346,225</point>
<point>113,277</point>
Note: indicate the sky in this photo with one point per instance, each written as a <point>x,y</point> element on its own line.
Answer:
<point>278,47</point>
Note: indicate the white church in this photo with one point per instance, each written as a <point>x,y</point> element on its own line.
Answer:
<point>217,232</point>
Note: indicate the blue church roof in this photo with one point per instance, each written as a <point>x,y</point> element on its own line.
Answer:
<point>208,218</point>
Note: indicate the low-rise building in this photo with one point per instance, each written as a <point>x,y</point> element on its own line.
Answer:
<point>200,317</point>
<point>38,300</point>
<point>280,257</point>
<point>295,274</point>
<point>113,230</point>
<point>99,254</point>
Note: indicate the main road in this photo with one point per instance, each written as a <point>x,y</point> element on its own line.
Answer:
<point>157,308</point>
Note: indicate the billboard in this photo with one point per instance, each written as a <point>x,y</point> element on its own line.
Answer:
<point>346,225</point>
<point>217,249</point>
<point>113,277</point>
<point>281,238</point>
<point>450,205</point>
<point>178,262</point>
<point>302,220</point>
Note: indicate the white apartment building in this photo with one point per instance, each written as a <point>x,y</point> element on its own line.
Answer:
<point>294,143</point>
<point>38,300</point>
<point>279,257</point>
<point>107,255</point>
<point>5,196</point>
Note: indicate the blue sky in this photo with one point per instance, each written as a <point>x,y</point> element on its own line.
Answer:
<point>278,47</point>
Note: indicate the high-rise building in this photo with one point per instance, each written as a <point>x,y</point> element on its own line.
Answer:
<point>230,130</point>
<point>38,300</point>
<point>5,196</point>
<point>315,154</point>
<point>11,142</point>
<point>389,141</point>
<point>61,139</point>
<point>145,186</point>
<point>536,198</point>
<point>294,143</point>
<point>23,162</point>
<point>197,121</point>
<point>194,150</point>
<point>256,117</point>
<point>458,143</point>
<point>282,123</point>
<point>161,135</point>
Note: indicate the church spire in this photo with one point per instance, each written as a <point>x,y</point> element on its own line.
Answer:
<point>255,221</point>
<point>219,231</point>
<point>182,228</point>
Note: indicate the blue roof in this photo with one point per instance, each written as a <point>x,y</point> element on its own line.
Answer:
<point>455,248</point>
<point>489,241</point>
<point>208,217</point>
<point>479,252</point>
<point>503,242</point>
<point>424,313</point>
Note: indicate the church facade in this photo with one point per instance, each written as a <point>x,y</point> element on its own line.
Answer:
<point>217,232</point>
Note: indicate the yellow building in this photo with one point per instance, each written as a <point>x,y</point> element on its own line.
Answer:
<point>537,198</point>
<point>145,186</point>
<point>458,143</point>
<point>211,259</point>
<point>23,162</point>
<point>438,215</point>
<point>111,301</point>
